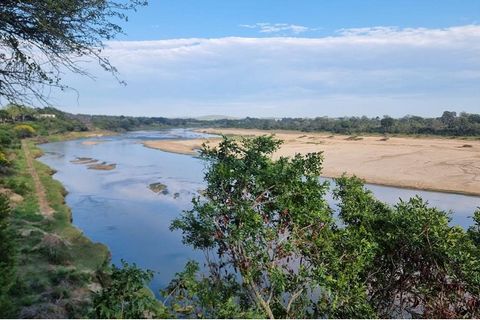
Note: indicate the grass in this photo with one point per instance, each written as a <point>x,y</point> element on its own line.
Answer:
<point>48,247</point>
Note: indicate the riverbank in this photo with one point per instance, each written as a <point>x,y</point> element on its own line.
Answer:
<point>436,164</point>
<point>57,265</point>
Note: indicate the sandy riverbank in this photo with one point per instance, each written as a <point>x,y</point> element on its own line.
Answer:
<point>450,165</point>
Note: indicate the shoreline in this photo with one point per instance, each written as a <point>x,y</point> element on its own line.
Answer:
<point>55,241</point>
<point>428,164</point>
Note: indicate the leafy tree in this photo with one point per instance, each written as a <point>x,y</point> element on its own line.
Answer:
<point>274,249</point>
<point>193,294</point>
<point>421,266</point>
<point>258,216</point>
<point>40,38</point>
<point>7,257</point>
<point>387,123</point>
<point>448,118</point>
<point>124,295</point>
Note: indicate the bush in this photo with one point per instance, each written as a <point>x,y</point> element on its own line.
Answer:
<point>3,161</point>
<point>24,131</point>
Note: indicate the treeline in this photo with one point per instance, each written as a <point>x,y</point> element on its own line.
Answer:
<point>449,124</point>
<point>44,121</point>
<point>50,120</point>
<point>124,123</point>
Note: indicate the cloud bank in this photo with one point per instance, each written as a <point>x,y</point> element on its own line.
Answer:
<point>371,71</point>
<point>265,27</point>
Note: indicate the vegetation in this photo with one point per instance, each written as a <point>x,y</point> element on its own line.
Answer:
<point>48,121</point>
<point>41,39</point>
<point>275,249</point>
<point>24,131</point>
<point>46,265</point>
<point>449,124</point>
<point>55,262</point>
<point>124,295</point>
<point>7,257</point>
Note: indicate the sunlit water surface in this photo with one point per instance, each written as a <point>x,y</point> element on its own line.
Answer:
<point>118,209</point>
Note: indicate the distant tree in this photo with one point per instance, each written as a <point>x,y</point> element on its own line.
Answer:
<point>387,123</point>
<point>39,39</point>
<point>448,118</point>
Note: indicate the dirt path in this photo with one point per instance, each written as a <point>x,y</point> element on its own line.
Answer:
<point>45,208</point>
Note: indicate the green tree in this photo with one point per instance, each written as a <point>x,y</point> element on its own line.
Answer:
<point>421,266</point>
<point>124,295</point>
<point>448,118</point>
<point>387,123</point>
<point>40,39</point>
<point>274,249</point>
<point>258,216</point>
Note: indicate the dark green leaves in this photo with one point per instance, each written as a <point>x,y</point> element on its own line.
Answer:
<point>124,295</point>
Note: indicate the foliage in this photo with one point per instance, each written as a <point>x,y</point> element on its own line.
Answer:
<point>420,265</point>
<point>449,124</point>
<point>40,39</point>
<point>4,163</point>
<point>258,216</point>
<point>7,137</point>
<point>124,295</point>
<point>195,295</point>
<point>275,249</point>
<point>24,131</point>
<point>46,248</point>
<point>7,256</point>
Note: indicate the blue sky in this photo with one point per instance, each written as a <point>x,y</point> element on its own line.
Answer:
<point>289,58</point>
<point>222,18</point>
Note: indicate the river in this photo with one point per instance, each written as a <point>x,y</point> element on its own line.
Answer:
<point>118,209</point>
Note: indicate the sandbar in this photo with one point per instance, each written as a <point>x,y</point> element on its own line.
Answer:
<point>426,163</point>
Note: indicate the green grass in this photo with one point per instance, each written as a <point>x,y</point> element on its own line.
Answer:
<point>42,264</point>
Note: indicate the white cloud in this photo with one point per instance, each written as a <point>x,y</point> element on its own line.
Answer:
<point>373,71</point>
<point>265,27</point>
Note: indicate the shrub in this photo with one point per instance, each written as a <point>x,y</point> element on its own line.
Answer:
<point>24,131</point>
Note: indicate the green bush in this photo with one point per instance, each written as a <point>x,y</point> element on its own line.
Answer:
<point>24,131</point>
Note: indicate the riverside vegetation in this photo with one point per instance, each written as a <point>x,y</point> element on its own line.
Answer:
<point>274,247</point>
<point>47,267</point>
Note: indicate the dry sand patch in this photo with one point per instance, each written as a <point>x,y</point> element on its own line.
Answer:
<point>451,165</point>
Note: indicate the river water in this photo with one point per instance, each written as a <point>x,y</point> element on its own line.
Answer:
<point>118,209</point>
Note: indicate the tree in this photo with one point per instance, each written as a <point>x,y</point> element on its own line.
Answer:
<point>259,216</point>
<point>420,265</point>
<point>124,295</point>
<point>387,123</point>
<point>448,118</point>
<point>40,39</point>
<point>274,248</point>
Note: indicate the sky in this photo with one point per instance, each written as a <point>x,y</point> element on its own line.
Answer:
<point>277,58</point>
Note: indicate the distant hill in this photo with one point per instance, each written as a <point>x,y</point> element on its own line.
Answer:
<point>215,117</point>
